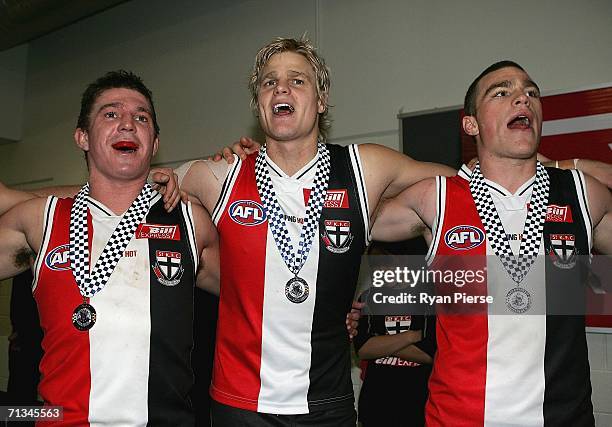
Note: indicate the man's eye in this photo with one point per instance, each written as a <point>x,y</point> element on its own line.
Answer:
<point>141,118</point>
<point>269,83</point>
<point>298,82</point>
<point>533,93</point>
<point>500,93</point>
<point>111,115</point>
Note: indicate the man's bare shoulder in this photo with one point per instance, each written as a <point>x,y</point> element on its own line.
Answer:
<point>32,206</point>
<point>599,198</point>
<point>203,179</point>
<point>26,215</point>
<point>202,168</point>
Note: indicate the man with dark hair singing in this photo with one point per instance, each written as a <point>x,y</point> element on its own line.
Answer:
<point>114,272</point>
<point>519,362</point>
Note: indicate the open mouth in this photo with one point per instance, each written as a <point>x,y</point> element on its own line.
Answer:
<point>282,109</point>
<point>520,122</point>
<point>125,146</point>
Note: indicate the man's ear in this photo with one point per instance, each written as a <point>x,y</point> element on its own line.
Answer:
<point>155,145</point>
<point>470,125</point>
<point>322,104</point>
<point>82,139</point>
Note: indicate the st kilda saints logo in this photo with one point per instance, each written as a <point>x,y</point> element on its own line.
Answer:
<point>337,235</point>
<point>562,250</point>
<point>168,268</point>
<point>397,324</point>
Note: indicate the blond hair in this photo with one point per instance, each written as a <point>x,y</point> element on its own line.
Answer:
<point>308,51</point>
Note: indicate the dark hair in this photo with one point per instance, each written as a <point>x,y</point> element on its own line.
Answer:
<point>112,80</point>
<point>469,103</point>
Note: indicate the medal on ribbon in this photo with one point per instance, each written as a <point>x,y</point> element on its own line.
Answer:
<point>518,299</point>
<point>296,289</point>
<point>90,283</point>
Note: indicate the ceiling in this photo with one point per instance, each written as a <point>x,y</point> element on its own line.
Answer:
<point>25,20</point>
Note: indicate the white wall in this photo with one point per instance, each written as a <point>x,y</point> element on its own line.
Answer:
<point>386,57</point>
<point>13,67</point>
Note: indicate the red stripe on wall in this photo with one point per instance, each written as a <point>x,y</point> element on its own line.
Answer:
<point>589,145</point>
<point>577,104</point>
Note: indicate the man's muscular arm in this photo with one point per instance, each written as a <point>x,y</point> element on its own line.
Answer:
<point>202,180</point>
<point>208,246</point>
<point>600,207</point>
<point>408,215</point>
<point>388,172</point>
<point>20,232</point>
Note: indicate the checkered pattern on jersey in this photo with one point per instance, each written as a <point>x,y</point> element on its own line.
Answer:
<point>517,267</point>
<point>91,283</point>
<point>294,259</point>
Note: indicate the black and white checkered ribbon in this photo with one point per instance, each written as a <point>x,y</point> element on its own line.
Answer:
<point>92,282</point>
<point>293,259</point>
<point>517,267</point>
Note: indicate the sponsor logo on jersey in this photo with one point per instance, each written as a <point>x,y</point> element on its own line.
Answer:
<point>464,237</point>
<point>514,236</point>
<point>337,199</point>
<point>337,236</point>
<point>556,213</point>
<point>247,212</point>
<point>562,250</point>
<point>397,324</point>
<point>168,267</point>
<point>130,254</point>
<point>396,361</point>
<point>292,218</point>
<point>57,259</point>
<point>158,231</point>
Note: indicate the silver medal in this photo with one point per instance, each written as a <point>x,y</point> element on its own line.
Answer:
<point>518,300</point>
<point>84,317</point>
<point>296,290</point>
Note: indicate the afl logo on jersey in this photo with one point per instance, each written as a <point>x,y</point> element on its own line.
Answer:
<point>464,237</point>
<point>247,212</point>
<point>58,259</point>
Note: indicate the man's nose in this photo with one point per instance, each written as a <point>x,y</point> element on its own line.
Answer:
<point>282,87</point>
<point>127,123</point>
<point>521,98</point>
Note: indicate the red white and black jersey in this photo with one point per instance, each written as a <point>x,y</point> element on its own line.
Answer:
<point>506,370</point>
<point>273,355</point>
<point>133,366</point>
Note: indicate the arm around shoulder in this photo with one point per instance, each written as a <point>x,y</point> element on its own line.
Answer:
<point>388,172</point>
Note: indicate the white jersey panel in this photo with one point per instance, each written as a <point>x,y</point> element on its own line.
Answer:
<point>515,366</point>
<point>287,326</point>
<point>117,349</point>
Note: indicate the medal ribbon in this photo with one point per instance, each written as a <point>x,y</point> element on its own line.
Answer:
<point>91,283</point>
<point>293,259</point>
<point>517,267</point>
